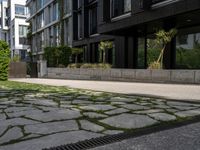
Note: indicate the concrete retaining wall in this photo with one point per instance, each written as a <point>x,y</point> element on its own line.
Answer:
<point>17,70</point>
<point>140,75</point>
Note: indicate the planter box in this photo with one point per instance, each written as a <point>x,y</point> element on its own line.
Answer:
<point>128,75</point>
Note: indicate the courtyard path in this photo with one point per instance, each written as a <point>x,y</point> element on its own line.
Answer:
<point>32,120</point>
<point>168,91</point>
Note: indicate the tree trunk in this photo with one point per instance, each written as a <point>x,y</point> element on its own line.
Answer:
<point>104,57</point>
<point>76,59</point>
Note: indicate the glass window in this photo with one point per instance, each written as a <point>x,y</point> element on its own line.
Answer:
<point>153,50</point>
<point>120,7</point>
<point>93,20</point>
<point>79,25</point>
<point>23,31</point>
<point>20,10</point>
<point>141,53</point>
<point>188,51</point>
<point>55,11</point>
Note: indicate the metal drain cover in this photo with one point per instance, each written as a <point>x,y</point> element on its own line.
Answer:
<point>95,142</point>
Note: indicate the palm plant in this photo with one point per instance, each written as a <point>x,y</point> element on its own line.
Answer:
<point>105,46</point>
<point>163,37</point>
<point>76,52</point>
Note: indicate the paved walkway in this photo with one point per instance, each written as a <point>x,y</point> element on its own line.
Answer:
<point>183,138</point>
<point>169,91</point>
<point>32,120</point>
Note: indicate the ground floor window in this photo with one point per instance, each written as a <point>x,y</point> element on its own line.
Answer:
<point>188,51</point>
<point>153,49</point>
<point>141,53</point>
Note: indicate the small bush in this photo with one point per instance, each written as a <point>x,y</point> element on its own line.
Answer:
<point>155,65</point>
<point>16,58</point>
<point>78,65</point>
<point>56,56</point>
<point>89,65</point>
<point>4,60</point>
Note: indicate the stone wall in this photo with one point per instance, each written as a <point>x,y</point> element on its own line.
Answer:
<point>17,70</point>
<point>131,75</point>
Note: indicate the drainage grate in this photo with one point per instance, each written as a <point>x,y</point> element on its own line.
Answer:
<point>93,142</point>
<point>100,141</point>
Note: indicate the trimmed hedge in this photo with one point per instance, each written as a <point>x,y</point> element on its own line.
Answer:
<point>88,65</point>
<point>4,60</point>
<point>57,56</point>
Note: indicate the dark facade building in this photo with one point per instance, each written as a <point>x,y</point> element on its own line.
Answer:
<point>132,24</point>
<point>86,19</point>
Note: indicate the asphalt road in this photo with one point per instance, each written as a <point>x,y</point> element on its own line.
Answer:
<point>182,138</point>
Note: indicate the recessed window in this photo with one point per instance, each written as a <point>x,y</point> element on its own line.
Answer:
<point>120,7</point>
<point>20,10</point>
<point>93,20</point>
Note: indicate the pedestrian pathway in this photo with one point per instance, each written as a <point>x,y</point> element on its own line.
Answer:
<point>168,91</point>
<point>31,120</point>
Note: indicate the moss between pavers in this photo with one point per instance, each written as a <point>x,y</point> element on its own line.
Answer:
<point>21,89</point>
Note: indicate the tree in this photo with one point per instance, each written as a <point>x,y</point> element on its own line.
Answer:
<point>105,46</point>
<point>163,37</point>
<point>4,60</point>
<point>76,52</point>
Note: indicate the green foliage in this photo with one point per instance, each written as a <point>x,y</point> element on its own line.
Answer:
<point>88,65</point>
<point>162,37</point>
<point>77,51</point>
<point>155,65</point>
<point>165,37</point>
<point>188,58</point>
<point>57,56</point>
<point>16,58</point>
<point>103,47</point>
<point>76,65</point>
<point>4,60</point>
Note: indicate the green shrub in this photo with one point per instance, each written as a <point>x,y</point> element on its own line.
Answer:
<point>77,65</point>
<point>57,56</point>
<point>155,65</point>
<point>16,58</point>
<point>89,65</point>
<point>4,60</point>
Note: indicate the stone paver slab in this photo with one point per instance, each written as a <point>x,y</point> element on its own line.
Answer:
<point>188,113</point>
<point>121,99</point>
<point>11,134</point>
<point>98,107</point>
<point>163,116</point>
<point>55,115</point>
<point>86,125</point>
<point>17,122</point>
<point>52,127</point>
<point>116,111</point>
<point>52,140</point>
<point>94,115</point>
<point>134,107</point>
<point>129,121</point>
<point>112,132</point>
<point>24,113</point>
<point>148,111</point>
<point>2,116</point>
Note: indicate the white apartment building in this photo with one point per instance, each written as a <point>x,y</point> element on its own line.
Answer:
<point>14,27</point>
<point>51,22</point>
<point>3,20</point>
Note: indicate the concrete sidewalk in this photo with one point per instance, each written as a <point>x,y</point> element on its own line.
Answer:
<point>168,91</point>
